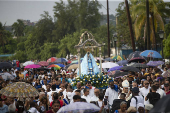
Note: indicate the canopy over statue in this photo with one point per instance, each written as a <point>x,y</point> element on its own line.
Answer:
<point>88,65</point>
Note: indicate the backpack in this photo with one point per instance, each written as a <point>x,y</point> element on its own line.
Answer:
<point>128,102</point>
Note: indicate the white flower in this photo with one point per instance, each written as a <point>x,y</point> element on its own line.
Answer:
<point>98,75</point>
<point>92,75</point>
<point>84,79</point>
<point>102,82</point>
<point>96,81</point>
<point>103,75</point>
<point>109,77</point>
<point>81,81</point>
<point>93,79</point>
<point>72,82</point>
<point>87,77</point>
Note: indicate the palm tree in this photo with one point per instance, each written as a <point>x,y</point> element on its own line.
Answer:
<point>18,28</point>
<point>158,9</point>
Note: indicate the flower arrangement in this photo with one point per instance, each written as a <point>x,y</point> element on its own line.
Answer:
<point>97,80</point>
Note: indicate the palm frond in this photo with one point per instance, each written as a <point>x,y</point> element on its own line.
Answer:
<point>159,20</point>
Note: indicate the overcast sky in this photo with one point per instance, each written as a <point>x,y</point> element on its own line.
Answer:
<point>11,10</point>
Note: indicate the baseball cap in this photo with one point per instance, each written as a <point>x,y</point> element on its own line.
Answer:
<point>135,90</point>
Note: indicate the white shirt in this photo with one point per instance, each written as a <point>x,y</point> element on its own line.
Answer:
<point>88,98</point>
<point>91,91</point>
<point>49,94</point>
<point>44,86</point>
<point>112,94</point>
<point>81,92</point>
<point>94,98</point>
<point>144,92</point>
<point>139,100</point>
<point>161,92</point>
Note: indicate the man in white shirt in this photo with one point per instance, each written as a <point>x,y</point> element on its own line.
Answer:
<point>45,84</point>
<point>111,94</point>
<point>78,88</point>
<point>144,91</point>
<point>91,91</point>
<point>96,95</point>
<point>50,93</point>
<point>86,95</point>
<point>159,90</point>
<point>136,99</point>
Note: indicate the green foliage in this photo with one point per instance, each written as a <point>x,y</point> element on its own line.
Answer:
<point>18,28</point>
<point>166,48</point>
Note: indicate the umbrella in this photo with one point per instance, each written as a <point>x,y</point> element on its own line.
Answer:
<point>134,54</point>
<point>19,90</point>
<point>109,59</point>
<point>122,62</point>
<point>61,60</point>
<point>137,59</point>
<point>69,61</point>
<point>108,65</point>
<point>139,65</point>
<point>28,63</point>
<point>52,59</point>
<point>118,74</point>
<point>43,63</point>
<point>155,63</point>
<point>79,107</point>
<point>42,69</point>
<point>151,53</point>
<point>61,65</point>
<point>5,65</point>
<point>74,66</point>
<point>53,65</point>
<point>32,66</point>
<point>130,68</point>
<point>115,68</point>
<point>162,106</point>
<point>167,73</point>
<point>7,76</point>
<point>118,58</point>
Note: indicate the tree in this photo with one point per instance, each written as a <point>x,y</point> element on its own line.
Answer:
<point>18,28</point>
<point>157,9</point>
<point>166,49</point>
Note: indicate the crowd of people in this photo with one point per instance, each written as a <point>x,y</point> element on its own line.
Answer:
<point>137,92</point>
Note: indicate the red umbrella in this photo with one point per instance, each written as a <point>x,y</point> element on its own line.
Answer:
<point>69,61</point>
<point>43,63</point>
<point>52,59</point>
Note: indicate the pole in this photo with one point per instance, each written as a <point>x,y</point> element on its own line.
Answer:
<point>104,51</point>
<point>162,50</point>
<point>100,53</point>
<point>115,49</point>
<point>130,25</point>
<point>148,27</point>
<point>108,33</point>
<point>79,62</point>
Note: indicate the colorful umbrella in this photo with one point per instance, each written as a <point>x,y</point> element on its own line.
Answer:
<point>151,53</point>
<point>167,73</point>
<point>115,68</point>
<point>53,65</point>
<point>61,65</point>
<point>52,59</point>
<point>61,60</point>
<point>32,66</point>
<point>19,90</point>
<point>28,63</point>
<point>155,63</point>
<point>118,58</point>
<point>43,63</point>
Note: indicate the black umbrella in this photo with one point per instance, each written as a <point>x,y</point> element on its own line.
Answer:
<point>118,74</point>
<point>134,54</point>
<point>162,106</point>
<point>42,69</point>
<point>139,59</point>
<point>5,65</point>
<point>130,68</point>
<point>109,59</point>
<point>139,65</point>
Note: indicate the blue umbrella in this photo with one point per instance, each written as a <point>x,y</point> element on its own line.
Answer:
<point>61,65</point>
<point>115,68</point>
<point>122,62</point>
<point>155,63</point>
<point>61,60</point>
<point>151,53</point>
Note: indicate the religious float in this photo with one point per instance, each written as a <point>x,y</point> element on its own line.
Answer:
<point>88,69</point>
